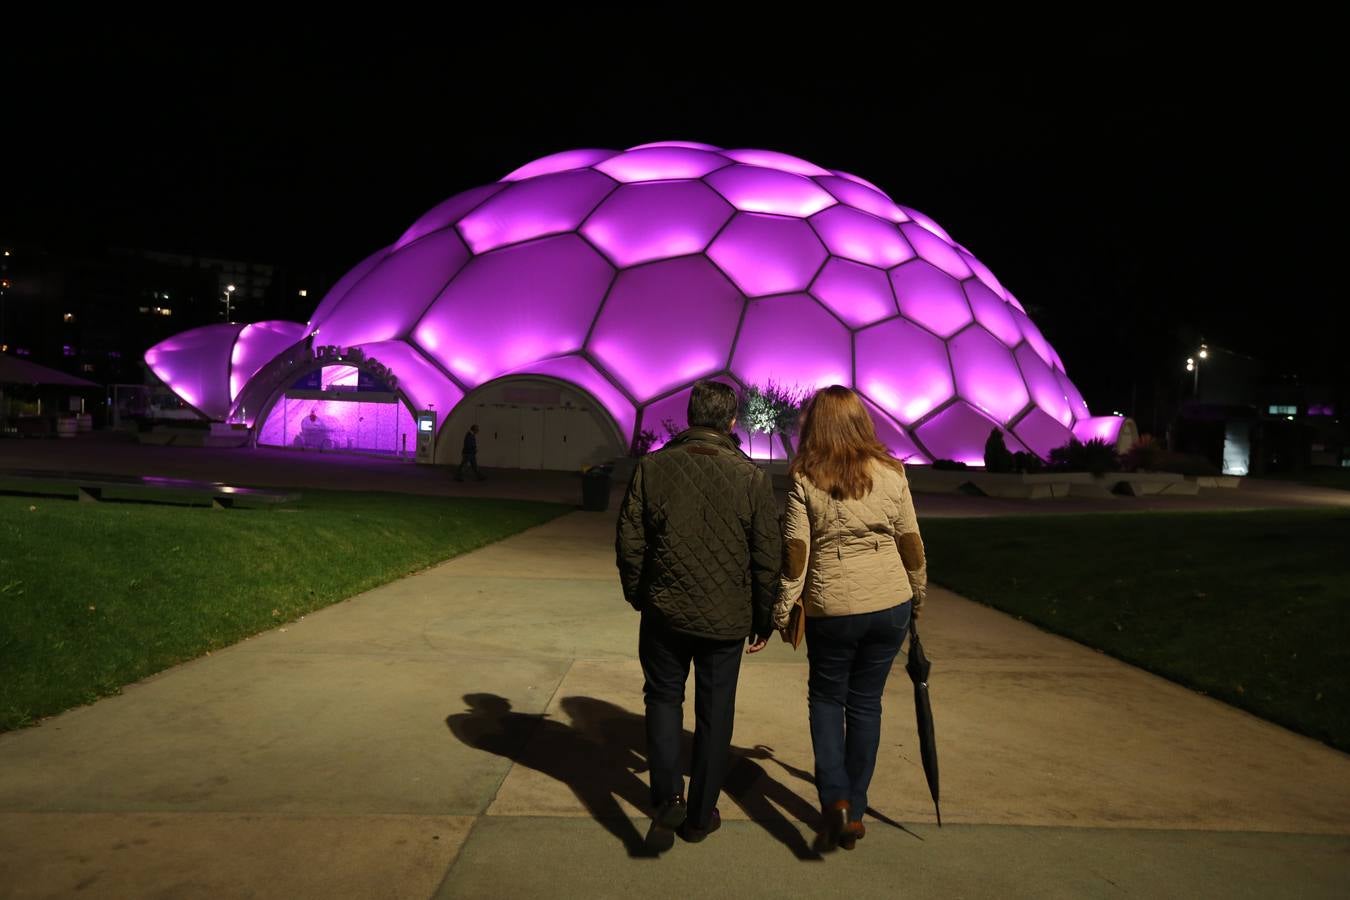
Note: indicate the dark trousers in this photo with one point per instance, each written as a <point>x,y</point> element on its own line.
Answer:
<point>665,656</point>
<point>850,658</point>
<point>471,460</point>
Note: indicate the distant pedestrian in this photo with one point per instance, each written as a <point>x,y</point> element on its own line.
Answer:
<point>469,454</point>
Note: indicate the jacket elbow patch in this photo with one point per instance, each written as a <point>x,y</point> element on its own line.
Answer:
<point>796,558</point>
<point>911,551</point>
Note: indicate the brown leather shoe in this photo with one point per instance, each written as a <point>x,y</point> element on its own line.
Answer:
<point>853,832</point>
<point>690,834</point>
<point>835,821</point>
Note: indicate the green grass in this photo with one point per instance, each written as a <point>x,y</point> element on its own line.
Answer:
<point>96,596</point>
<point>1252,608</point>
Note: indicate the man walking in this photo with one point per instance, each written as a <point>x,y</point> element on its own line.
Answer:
<point>698,554</point>
<point>469,454</point>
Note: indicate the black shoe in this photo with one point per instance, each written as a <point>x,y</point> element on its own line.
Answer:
<point>693,835</point>
<point>670,815</point>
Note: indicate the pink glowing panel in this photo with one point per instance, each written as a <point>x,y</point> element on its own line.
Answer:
<point>861,197</point>
<point>425,386</point>
<point>195,365</point>
<point>666,324</point>
<point>982,272</point>
<point>549,204</point>
<point>986,375</point>
<point>643,222</point>
<point>893,436</point>
<point>576,371</point>
<point>1077,405</point>
<point>1013,300</point>
<point>1043,385</point>
<point>386,303</point>
<point>1041,433</point>
<point>660,163</point>
<point>991,312</point>
<point>1102,428</point>
<point>448,213</point>
<point>859,180</point>
<point>861,237</point>
<point>255,346</point>
<point>753,189</point>
<point>669,415</point>
<point>928,224</point>
<point>931,297</point>
<point>1056,361</point>
<point>559,162</point>
<point>903,369</point>
<point>344,284</point>
<point>1033,335</point>
<point>339,376</point>
<point>771,159</point>
<point>858,294</point>
<point>959,433</point>
<point>513,306</point>
<point>339,425</point>
<point>688,145</point>
<point>792,341</point>
<point>768,254</point>
<point>937,252</point>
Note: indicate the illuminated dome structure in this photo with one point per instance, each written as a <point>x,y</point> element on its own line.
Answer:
<point>584,293</point>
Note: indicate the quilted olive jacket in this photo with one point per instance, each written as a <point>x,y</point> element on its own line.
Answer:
<point>851,556</point>
<point>698,541</point>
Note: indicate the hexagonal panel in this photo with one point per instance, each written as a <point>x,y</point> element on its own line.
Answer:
<point>928,224</point>
<point>756,190</point>
<point>987,377</point>
<point>578,371</point>
<point>1099,428</point>
<point>932,248</point>
<point>1013,300</point>
<point>959,433</point>
<point>255,346</point>
<point>344,284</point>
<point>858,294</point>
<point>991,312</point>
<point>666,324</point>
<point>903,369</point>
<point>643,222</point>
<point>1077,405</point>
<point>931,297</point>
<point>768,254</point>
<point>1041,433</point>
<point>549,204</point>
<point>857,179</point>
<point>514,306</point>
<point>792,341</point>
<point>195,364</point>
<point>426,386</point>
<point>982,272</point>
<point>772,159</point>
<point>893,436</point>
<point>662,163</point>
<point>448,212</point>
<point>1044,387</point>
<point>688,145</point>
<point>392,297</point>
<point>861,197</point>
<point>559,162</point>
<point>861,237</point>
<point>1033,336</point>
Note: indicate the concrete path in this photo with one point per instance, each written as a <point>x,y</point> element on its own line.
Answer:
<point>475,731</point>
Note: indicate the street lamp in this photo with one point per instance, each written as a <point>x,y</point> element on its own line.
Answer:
<point>229,291</point>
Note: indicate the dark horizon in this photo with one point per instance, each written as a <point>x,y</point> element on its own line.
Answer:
<point>1134,194</point>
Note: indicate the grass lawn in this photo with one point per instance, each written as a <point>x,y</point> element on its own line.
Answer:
<point>1252,608</point>
<point>95,596</point>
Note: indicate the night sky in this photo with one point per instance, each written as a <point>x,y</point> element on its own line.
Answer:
<point>1136,186</point>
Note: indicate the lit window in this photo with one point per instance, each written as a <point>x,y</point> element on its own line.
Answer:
<point>88,367</point>
<point>166,311</point>
<point>1276,410</point>
<point>145,309</point>
<point>68,317</point>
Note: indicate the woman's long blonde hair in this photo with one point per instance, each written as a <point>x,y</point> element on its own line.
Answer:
<point>839,444</point>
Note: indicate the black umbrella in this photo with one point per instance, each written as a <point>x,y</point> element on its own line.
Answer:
<point>917,667</point>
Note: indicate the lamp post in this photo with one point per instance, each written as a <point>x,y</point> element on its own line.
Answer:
<point>229,294</point>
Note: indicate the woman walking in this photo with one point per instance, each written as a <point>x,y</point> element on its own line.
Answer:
<point>855,561</point>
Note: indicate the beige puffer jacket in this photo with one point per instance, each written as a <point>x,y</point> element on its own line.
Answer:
<point>844,557</point>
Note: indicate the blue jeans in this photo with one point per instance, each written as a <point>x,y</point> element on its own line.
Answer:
<point>850,658</point>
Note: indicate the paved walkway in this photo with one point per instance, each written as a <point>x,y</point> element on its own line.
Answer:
<point>475,731</point>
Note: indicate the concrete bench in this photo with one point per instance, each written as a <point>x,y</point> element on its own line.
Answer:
<point>92,487</point>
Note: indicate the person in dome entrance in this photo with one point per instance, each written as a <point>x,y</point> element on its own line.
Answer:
<point>469,454</point>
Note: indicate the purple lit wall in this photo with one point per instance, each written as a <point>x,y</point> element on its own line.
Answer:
<point>338,425</point>
<point>632,274</point>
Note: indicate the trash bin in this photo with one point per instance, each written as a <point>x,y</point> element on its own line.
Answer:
<point>595,488</point>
